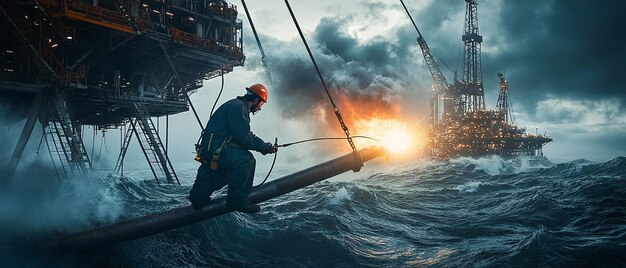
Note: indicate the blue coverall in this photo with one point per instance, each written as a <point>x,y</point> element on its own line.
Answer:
<point>236,163</point>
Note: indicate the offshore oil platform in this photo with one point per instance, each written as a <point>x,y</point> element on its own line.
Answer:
<point>460,125</point>
<point>111,64</point>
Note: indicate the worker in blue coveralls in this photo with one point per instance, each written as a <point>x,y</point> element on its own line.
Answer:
<point>224,152</point>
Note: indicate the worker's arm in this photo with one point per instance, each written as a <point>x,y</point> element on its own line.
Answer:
<point>239,127</point>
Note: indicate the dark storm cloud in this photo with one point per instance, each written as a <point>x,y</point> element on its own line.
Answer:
<point>547,49</point>
<point>562,49</point>
<point>376,68</point>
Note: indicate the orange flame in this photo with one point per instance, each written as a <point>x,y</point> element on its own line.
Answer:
<point>376,116</point>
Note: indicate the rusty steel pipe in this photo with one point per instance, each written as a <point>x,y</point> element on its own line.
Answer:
<point>178,217</point>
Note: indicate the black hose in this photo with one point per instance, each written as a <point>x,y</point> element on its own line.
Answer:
<point>218,95</point>
<point>273,162</point>
<point>213,108</point>
<point>326,138</point>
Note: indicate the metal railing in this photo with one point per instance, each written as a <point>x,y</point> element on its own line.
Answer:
<point>97,13</point>
<point>208,7</point>
<point>189,39</point>
<point>178,36</point>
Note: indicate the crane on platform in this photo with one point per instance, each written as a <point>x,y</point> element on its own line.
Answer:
<point>467,94</point>
<point>442,90</point>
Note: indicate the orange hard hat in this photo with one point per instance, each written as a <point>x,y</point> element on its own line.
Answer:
<point>259,90</point>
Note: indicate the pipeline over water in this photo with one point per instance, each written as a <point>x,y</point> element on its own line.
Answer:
<point>178,217</point>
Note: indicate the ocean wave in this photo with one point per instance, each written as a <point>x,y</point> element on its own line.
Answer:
<point>488,211</point>
<point>497,165</point>
<point>468,187</point>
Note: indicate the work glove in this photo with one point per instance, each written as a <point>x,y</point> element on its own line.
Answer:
<point>268,148</point>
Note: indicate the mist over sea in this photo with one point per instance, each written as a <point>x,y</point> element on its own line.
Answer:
<point>464,212</point>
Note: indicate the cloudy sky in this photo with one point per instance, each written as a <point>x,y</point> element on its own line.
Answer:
<point>564,61</point>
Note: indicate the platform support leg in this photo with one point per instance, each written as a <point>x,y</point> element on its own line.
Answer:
<point>33,114</point>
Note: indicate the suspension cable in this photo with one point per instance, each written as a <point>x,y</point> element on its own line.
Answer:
<point>43,135</point>
<point>258,41</point>
<point>102,144</point>
<point>180,81</point>
<point>420,35</point>
<point>510,110</point>
<point>93,142</point>
<point>335,108</point>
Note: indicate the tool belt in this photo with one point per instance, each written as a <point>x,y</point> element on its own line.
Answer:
<point>215,157</point>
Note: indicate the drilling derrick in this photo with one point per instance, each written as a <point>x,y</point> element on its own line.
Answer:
<point>503,98</point>
<point>471,84</point>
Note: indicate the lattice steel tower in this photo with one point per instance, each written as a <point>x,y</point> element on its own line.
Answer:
<point>471,86</point>
<point>503,98</point>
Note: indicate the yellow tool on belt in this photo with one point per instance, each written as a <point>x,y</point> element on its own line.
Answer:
<point>199,150</point>
<point>215,157</point>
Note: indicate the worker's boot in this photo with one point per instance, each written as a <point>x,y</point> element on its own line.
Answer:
<point>247,207</point>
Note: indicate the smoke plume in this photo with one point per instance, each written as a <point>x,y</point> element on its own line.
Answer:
<point>366,78</point>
